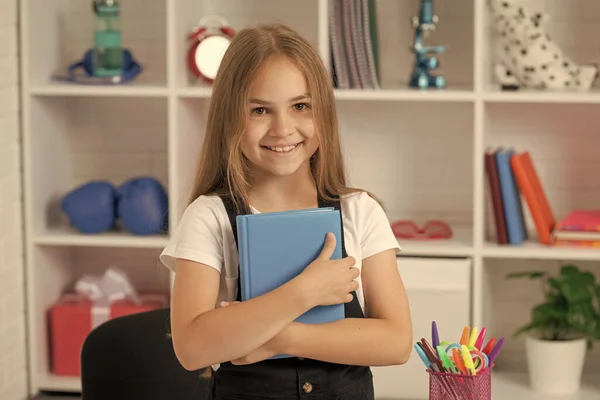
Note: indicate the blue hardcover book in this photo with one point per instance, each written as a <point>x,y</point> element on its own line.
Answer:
<point>511,198</point>
<point>276,247</point>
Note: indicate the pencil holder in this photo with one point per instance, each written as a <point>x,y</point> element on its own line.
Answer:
<point>445,386</point>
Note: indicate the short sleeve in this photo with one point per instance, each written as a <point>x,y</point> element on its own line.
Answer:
<point>198,236</point>
<point>376,233</point>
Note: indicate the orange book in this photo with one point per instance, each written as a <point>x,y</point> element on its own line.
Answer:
<point>530,186</point>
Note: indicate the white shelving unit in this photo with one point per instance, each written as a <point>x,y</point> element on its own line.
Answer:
<point>420,152</point>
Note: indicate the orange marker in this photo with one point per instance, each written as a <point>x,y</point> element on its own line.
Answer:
<point>464,339</point>
<point>458,361</point>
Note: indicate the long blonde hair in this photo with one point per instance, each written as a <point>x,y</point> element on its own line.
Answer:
<point>222,168</point>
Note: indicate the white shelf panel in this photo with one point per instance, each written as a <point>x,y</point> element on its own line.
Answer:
<point>536,250</point>
<point>69,237</point>
<point>406,94</point>
<point>51,382</point>
<point>400,94</point>
<point>515,385</point>
<point>200,92</point>
<point>460,245</point>
<point>535,96</point>
<point>125,90</point>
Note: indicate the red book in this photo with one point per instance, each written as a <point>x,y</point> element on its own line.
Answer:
<point>496,196</point>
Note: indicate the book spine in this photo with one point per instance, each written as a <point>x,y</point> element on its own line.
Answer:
<point>496,197</point>
<point>511,200</point>
<point>244,258</point>
<point>530,190</point>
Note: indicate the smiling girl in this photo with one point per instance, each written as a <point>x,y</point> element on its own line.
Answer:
<point>272,144</point>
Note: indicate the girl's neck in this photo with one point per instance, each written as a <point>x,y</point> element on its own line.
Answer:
<point>283,193</point>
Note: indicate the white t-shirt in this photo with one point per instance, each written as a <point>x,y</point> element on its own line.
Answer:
<point>204,235</point>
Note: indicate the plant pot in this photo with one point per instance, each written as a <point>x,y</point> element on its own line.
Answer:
<point>555,367</point>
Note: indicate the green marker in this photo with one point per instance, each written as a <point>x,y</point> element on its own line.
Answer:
<point>446,362</point>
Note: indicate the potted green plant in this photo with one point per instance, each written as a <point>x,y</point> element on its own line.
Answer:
<point>562,328</point>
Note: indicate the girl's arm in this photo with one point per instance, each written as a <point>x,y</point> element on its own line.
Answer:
<point>203,335</point>
<point>385,338</point>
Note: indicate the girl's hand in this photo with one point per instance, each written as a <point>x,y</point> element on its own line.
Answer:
<point>329,281</point>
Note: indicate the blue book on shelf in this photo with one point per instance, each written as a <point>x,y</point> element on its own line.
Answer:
<point>511,197</point>
<point>276,247</point>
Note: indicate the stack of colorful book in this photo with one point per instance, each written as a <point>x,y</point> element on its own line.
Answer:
<point>580,228</point>
<point>512,175</point>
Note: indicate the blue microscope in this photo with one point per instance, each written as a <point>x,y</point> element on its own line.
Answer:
<point>421,76</point>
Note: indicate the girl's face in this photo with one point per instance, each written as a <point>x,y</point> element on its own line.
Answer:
<point>280,137</point>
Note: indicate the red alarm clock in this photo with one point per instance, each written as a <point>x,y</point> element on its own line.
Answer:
<point>210,40</point>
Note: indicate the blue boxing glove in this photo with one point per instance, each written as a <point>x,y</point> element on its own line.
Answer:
<point>142,206</point>
<point>91,207</point>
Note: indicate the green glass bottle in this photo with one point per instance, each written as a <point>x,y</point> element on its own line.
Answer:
<point>108,51</point>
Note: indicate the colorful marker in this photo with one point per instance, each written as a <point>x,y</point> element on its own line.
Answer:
<point>494,353</point>
<point>464,338</point>
<point>480,338</point>
<point>435,336</point>
<point>488,347</point>
<point>466,355</point>
<point>473,337</point>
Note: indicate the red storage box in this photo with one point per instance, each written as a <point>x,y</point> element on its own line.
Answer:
<point>74,316</point>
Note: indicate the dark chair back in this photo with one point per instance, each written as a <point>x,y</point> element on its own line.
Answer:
<point>132,357</point>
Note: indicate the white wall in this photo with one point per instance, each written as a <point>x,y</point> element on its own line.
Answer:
<point>13,376</point>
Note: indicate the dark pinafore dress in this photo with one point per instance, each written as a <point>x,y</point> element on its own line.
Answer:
<point>294,378</point>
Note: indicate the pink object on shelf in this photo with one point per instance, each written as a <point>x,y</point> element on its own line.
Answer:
<point>446,386</point>
<point>581,220</point>
<point>434,229</point>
